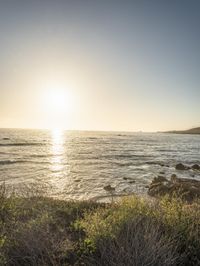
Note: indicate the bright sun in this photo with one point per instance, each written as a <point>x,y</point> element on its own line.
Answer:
<point>58,105</point>
<point>58,101</point>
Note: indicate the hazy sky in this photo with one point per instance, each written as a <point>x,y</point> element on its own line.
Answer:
<point>100,65</point>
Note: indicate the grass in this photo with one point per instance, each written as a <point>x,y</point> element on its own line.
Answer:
<point>37,230</point>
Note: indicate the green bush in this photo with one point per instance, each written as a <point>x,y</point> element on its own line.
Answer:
<point>37,230</point>
<point>170,222</point>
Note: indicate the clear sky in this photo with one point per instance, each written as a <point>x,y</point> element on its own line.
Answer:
<point>100,65</point>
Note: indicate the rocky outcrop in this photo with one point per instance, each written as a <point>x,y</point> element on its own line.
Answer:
<point>187,189</point>
<point>195,167</point>
<point>108,188</point>
<point>181,166</point>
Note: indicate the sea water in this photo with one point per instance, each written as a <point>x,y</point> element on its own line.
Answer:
<point>79,164</point>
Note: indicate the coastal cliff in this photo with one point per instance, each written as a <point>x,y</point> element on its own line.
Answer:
<point>195,130</point>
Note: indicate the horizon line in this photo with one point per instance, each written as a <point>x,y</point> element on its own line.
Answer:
<point>86,130</point>
<point>96,130</point>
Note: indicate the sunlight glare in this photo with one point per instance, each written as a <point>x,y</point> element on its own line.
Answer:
<point>57,150</point>
<point>58,105</point>
<point>58,101</point>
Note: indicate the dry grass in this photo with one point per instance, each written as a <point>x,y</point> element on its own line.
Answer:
<point>139,242</point>
<point>137,232</point>
<point>37,230</point>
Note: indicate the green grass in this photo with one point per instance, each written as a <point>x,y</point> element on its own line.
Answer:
<point>37,230</point>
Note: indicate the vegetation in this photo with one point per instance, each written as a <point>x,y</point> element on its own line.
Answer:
<point>195,130</point>
<point>37,230</point>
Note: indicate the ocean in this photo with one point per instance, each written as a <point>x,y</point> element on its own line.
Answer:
<point>79,164</point>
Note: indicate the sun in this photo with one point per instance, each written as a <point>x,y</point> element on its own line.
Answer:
<point>58,101</point>
<point>58,105</point>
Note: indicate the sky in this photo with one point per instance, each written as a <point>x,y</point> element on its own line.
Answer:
<point>100,65</point>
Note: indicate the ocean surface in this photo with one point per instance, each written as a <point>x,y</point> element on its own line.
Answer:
<point>78,165</point>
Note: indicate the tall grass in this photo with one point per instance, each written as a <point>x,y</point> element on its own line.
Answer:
<point>37,230</point>
<point>137,232</point>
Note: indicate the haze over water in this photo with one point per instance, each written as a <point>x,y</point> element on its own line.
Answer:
<point>79,164</point>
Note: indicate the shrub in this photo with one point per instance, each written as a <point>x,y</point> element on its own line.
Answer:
<point>138,242</point>
<point>37,230</point>
<point>123,233</point>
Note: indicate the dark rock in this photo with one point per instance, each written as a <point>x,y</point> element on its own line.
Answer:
<point>189,181</point>
<point>195,167</point>
<point>159,179</point>
<point>132,182</point>
<point>187,189</point>
<point>162,173</point>
<point>181,166</point>
<point>77,180</point>
<point>108,188</point>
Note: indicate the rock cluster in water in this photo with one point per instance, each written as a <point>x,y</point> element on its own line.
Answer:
<point>181,166</point>
<point>187,189</point>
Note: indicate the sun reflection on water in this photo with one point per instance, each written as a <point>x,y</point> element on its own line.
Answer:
<point>57,151</point>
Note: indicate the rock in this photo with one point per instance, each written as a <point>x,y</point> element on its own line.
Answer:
<point>132,182</point>
<point>159,179</point>
<point>195,167</point>
<point>108,188</point>
<point>187,189</point>
<point>77,180</point>
<point>181,166</point>
<point>189,181</point>
<point>162,173</point>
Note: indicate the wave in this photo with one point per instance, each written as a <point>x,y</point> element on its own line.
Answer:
<point>157,163</point>
<point>10,162</point>
<point>7,162</point>
<point>40,155</point>
<point>20,144</point>
<point>123,164</point>
<point>168,150</point>
<point>126,156</point>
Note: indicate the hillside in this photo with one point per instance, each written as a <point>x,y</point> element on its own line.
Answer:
<point>189,131</point>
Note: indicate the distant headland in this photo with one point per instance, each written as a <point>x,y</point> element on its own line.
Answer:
<point>195,130</point>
